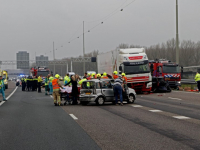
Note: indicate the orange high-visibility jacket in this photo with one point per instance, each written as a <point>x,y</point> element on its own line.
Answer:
<point>55,84</point>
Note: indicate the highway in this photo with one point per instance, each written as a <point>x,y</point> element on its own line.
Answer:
<point>159,121</point>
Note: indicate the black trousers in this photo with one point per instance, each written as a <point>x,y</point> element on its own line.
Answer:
<point>198,85</point>
<point>23,86</point>
<point>39,87</point>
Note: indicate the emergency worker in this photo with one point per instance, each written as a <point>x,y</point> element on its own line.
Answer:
<point>46,84</point>
<point>93,75</point>
<point>104,76</point>
<point>39,84</point>
<point>56,90</point>
<point>197,79</point>
<point>81,81</point>
<point>35,82</point>
<point>124,78</point>
<point>50,85</point>
<point>98,76</point>
<point>88,76</point>
<point>2,88</point>
<point>23,83</point>
<point>115,76</point>
<point>28,83</point>
<point>66,78</point>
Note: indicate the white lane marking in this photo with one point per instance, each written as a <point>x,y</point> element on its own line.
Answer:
<point>155,110</point>
<point>9,96</point>
<point>175,98</point>
<point>2,103</point>
<point>181,117</point>
<point>12,93</point>
<point>51,96</point>
<point>74,117</point>
<point>136,106</point>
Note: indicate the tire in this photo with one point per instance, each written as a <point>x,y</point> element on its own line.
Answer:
<point>131,99</point>
<point>84,103</point>
<point>100,100</point>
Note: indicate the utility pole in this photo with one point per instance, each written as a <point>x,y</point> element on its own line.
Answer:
<point>83,50</point>
<point>177,35</point>
<point>53,60</point>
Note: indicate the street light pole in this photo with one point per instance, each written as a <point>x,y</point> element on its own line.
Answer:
<point>53,60</point>
<point>177,35</point>
<point>83,50</point>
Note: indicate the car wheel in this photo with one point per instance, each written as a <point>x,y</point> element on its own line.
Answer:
<point>100,100</point>
<point>84,103</point>
<point>131,98</point>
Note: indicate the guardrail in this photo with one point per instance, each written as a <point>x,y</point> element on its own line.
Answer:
<point>188,81</point>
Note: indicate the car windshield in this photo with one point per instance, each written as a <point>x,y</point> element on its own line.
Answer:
<point>135,69</point>
<point>43,73</point>
<point>171,69</point>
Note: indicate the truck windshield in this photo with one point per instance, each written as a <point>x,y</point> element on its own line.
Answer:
<point>42,73</point>
<point>171,69</point>
<point>135,69</point>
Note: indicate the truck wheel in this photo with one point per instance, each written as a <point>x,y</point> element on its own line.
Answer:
<point>100,100</point>
<point>131,98</point>
<point>84,103</point>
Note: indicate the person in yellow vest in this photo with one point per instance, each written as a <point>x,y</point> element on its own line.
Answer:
<point>115,76</point>
<point>81,81</point>
<point>35,82</point>
<point>50,85</point>
<point>56,90</point>
<point>124,78</point>
<point>46,84</point>
<point>39,84</point>
<point>1,88</point>
<point>197,79</point>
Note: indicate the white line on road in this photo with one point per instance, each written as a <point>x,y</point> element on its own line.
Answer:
<point>74,117</point>
<point>175,98</point>
<point>155,110</point>
<point>2,103</point>
<point>136,106</point>
<point>181,117</point>
<point>12,93</point>
<point>51,96</point>
<point>9,96</point>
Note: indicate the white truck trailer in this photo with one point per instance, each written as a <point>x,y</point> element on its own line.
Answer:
<point>133,62</point>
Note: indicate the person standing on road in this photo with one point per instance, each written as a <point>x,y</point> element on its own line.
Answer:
<point>124,78</point>
<point>104,76</point>
<point>39,84</point>
<point>46,84</point>
<point>197,79</point>
<point>50,85</point>
<point>23,83</point>
<point>56,90</point>
<point>1,88</point>
<point>118,88</point>
<point>74,93</point>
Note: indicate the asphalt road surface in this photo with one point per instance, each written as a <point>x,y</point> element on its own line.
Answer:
<point>170,121</point>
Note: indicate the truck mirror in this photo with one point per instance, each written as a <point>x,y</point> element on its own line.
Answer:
<point>120,68</point>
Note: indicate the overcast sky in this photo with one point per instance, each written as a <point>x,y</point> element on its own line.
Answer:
<point>33,25</point>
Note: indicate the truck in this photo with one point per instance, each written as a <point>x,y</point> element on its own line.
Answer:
<point>40,71</point>
<point>167,70</point>
<point>133,62</point>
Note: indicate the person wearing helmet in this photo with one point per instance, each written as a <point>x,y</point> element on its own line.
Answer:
<point>115,76</point>
<point>56,90</point>
<point>88,76</point>
<point>98,76</point>
<point>124,78</point>
<point>104,76</point>
<point>93,75</point>
<point>39,84</point>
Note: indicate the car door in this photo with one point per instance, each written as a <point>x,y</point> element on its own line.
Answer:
<point>107,90</point>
